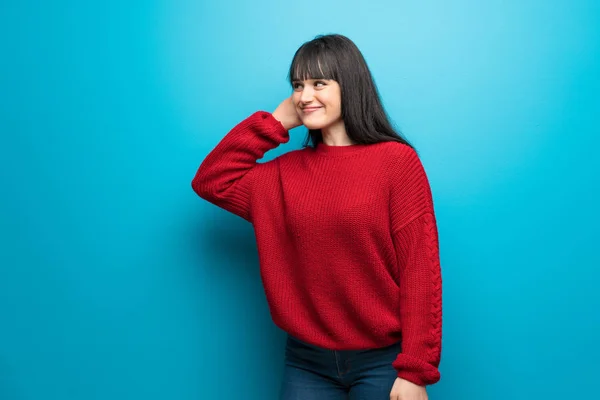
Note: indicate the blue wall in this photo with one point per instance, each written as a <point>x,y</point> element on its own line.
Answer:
<point>117,282</point>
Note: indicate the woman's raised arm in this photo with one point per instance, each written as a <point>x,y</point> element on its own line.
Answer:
<point>228,174</point>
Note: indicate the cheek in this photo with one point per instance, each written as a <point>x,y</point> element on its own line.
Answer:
<point>333,101</point>
<point>295,101</point>
<point>335,105</point>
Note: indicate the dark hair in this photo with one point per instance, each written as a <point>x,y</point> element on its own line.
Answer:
<point>336,57</point>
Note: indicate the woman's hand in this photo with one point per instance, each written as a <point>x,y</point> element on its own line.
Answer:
<point>286,114</point>
<point>406,390</point>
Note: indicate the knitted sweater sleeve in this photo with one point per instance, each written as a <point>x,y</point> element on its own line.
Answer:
<point>229,173</point>
<point>415,238</point>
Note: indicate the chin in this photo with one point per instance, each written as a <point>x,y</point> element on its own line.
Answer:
<point>313,124</point>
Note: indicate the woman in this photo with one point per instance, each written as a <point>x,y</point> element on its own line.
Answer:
<point>345,232</point>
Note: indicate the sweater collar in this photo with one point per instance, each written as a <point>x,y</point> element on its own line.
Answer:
<point>336,151</point>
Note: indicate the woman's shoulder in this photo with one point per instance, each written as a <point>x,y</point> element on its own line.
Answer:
<point>403,162</point>
<point>397,151</point>
<point>397,147</point>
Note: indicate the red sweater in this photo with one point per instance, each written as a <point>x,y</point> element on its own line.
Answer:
<point>346,237</point>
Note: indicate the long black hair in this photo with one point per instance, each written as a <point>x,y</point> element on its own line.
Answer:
<point>336,57</point>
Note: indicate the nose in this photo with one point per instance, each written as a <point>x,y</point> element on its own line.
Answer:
<point>307,95</point>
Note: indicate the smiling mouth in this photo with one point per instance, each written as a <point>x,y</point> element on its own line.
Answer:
<point>310,109</point>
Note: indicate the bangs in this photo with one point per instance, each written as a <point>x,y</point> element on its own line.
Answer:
<point>313,62</point>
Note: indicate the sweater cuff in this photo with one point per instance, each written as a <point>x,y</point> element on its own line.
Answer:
<point>274,127</point>
<point>416,371</point>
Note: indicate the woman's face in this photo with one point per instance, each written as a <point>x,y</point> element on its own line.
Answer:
<point>318,102</point>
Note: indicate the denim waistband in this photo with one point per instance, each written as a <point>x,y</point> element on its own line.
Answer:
<point>292,339</point>
<point>343,366</point>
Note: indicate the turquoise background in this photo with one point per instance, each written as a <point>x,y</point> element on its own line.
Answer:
<point>118,282</point>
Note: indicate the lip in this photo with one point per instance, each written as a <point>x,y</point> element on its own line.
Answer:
<point>308,110</point>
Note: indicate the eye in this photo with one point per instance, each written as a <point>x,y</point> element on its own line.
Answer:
<point>296,85</point>
<point>317,83</point>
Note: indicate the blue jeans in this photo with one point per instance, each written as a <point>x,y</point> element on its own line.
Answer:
<point>315,373</point>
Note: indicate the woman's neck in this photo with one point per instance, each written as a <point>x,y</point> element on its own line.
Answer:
<point>335,135</point>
